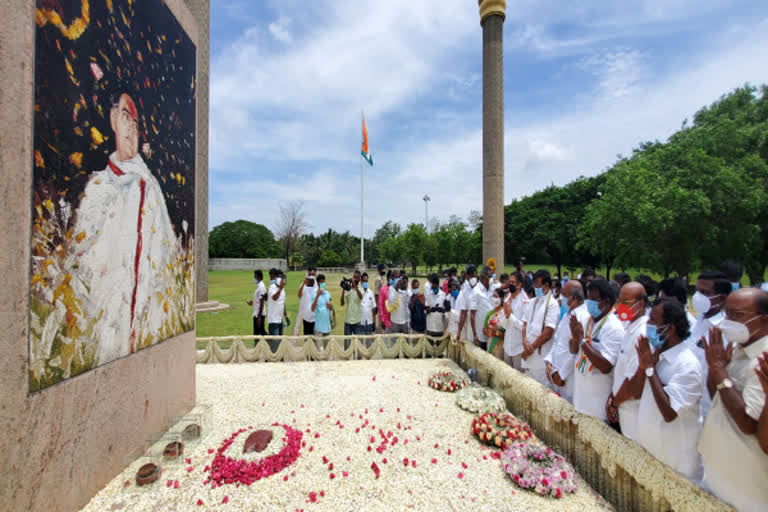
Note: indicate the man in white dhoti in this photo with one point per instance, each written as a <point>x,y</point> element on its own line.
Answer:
<point>125,240</point>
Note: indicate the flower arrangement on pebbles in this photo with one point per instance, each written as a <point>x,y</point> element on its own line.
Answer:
<point>226,470</point>
<point>501,429</point>
<point>539,469</point>
<point>447,380</point>
<point>479,399</point>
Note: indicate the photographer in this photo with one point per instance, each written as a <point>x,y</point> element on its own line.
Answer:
<point>305,302</point>
<point>351,296</point>
<point>435,305</point>
<point>259,296</point>
<point>275,306</point>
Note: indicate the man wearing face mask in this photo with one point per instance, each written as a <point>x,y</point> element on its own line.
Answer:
<point>352,298</point>
<point>559,362</point>
<point>513,336</point>
<point>305,303</point>
<point>435,306</point>
<point>712,289</point>
<point>275,307</point>
<point>259,295</point>
<point>322,307</point>
<point>464,302</point>
<point>733,272</point>
<point>539,327</point>
<point>397,303</point>
<point>669,397</point>
<point>480,305</point>
<point>367,308</point>
<point>735,468</point>
<point>597,348</point>
<point>452,313</point>
<point>621,408</point>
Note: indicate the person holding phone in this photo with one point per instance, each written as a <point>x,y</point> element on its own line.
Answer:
<point>305,302</point>
<point>275,306</point>
<point>259,296</point>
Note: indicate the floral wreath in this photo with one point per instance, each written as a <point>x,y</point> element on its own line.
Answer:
<point>448,380</point>
<point>501,429</point>
<point>226,470</point>
<point>479,399</point>
<point>539,469</point>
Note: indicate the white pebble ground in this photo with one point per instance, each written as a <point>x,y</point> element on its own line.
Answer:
<point>316,396</point>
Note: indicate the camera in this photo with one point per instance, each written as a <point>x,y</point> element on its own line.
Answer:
<point>346,284</point>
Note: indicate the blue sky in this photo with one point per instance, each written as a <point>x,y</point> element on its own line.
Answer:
<point>583,83</point>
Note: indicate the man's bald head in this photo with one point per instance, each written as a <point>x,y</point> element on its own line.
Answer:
<point>749,306</point>
<point>632,291</point>
<point>571,286</point>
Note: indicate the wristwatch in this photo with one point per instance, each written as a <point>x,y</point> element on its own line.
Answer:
<point>649,372</point>
<point>726,383</point>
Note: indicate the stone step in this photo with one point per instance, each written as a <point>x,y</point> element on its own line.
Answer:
<point>210,307</point>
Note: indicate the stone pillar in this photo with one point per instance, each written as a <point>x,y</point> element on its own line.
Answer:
<point>200,9</point>
<point>492,21</point>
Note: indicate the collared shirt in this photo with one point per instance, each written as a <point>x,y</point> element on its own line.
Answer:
<point>674,442</point>
<point>480,303</point>
<point>560,356</point>
<point>435,322</point>
<point>463,300</point>
<point>383,313</point>
<point>275,308</point>
<point>626,367</point>
<point>513,336</point>
<point>591,386</point>
<point>701,329</point>
<point>735,468</point>
<point>305,303</point>
<point>352,301</point>
<point>544,312</point>
<point>322,313</point>
<point>398,305</point>
<point>258,293</point>
<point>367,303</point>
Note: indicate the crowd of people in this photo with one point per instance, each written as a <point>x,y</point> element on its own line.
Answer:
<point>689,388</point>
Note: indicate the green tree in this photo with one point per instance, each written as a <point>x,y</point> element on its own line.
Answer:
<point>242,239</point>
<point>414,239</point>
<point>329,258</point>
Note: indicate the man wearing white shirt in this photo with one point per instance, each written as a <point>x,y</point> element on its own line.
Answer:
<point>258,303</point>
<point>668,414</point>
<point>463,304</point>
<point>435,300</point>
<point>480,305</point>
<point>735,468</point>
<point>367,308</point>
<point>275,307</point>
<point>597,348</point>
<point>305,302</point>
<point>712,289</point>
<point>631,311</point>
<point>513,336</point>
<point>539,327</point>
<point>559,362</point>
<point>397,304</point>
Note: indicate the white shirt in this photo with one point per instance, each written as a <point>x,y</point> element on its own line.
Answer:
<point>674,442</point>
<point>560,356</point>
<point>275,308</point>
<point>398,304</point>
<point>626,367</point>
<point>258,293</point>
<point>544,312</point>
<point>367,303</point>
<point>702,327</point>
<point>735,468</point>
<point>480,303</point>
<point>462,301</point>
<point>591,386</point>
<point>305,303</point>
<point>513,335</point>
<point>435,321</point>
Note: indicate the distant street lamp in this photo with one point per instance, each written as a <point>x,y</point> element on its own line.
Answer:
<point>427,199</point>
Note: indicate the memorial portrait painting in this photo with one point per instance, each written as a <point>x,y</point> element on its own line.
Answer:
<point>113,180</point>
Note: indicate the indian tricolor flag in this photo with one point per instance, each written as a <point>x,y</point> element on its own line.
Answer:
<point>365,151</point>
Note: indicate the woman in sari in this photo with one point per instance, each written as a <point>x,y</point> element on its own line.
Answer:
<point>494,324</point>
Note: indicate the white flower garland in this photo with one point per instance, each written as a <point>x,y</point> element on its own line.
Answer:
<point>480,399</point>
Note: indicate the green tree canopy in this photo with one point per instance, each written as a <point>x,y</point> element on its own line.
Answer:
<point>242,239</point>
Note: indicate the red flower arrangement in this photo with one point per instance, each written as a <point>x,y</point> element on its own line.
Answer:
<point>448,381</point>
<point>226,470</point>
<point>500,429</point>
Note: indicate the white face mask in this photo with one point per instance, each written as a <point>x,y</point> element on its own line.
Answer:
<point>495,301</point>
<point>736,332</point>
<point>472,281</point>
<point>702,303</point>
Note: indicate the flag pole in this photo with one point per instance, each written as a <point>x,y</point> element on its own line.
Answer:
<point>362,240</point>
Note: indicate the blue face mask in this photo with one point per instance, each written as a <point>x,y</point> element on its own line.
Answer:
<point>391,282</point>
<point>539,292</point>
<point>593,308</point>
<point>735,286</point>
<point>435,290</point>
<point>655,338</point>
<point>455,293</point>
<point>564,309</point>
<point>271,281</point>
<point>255,280</point>
<point>365,286</point>
<point>322,285</point>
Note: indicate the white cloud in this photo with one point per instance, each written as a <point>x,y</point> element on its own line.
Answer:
<point>279,30</point>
